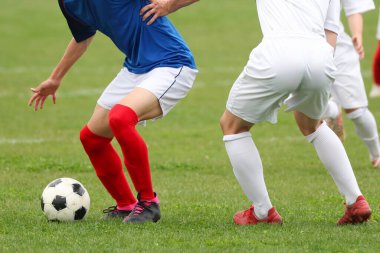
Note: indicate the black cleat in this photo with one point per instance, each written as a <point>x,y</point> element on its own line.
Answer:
<point>112,212</point>
<point>144,211</point>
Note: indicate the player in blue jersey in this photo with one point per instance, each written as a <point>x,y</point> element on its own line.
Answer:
<point>159,70</point>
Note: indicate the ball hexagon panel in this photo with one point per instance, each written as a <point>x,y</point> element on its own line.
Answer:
<point>74,201</point>
<point>50,212</point>
<point>65,215</point>
<point>48,195</point>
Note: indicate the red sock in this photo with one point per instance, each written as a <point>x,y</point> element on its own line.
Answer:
<point>376,66</point>
<point>122,121</point>
<point>108,166</point>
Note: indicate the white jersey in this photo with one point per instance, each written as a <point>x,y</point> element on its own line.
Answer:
<point>302,17</point>
<point>355,6</point>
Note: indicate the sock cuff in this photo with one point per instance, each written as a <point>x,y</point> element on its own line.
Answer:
<point>357,113</point>
<point>86,133</point>
<point>122,113</point>
<point>311,137</point>
<point>234,137</point>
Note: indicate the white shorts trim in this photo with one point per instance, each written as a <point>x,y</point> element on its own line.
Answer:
<point>169,85</point>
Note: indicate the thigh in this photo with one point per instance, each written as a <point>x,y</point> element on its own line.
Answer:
<point>98,123</point>
<point>254,100</point>
<point>144,103</point>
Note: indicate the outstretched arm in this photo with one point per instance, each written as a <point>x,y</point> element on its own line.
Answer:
<point>355,23</point>
<point>49,87</point>
<point>159,8</point>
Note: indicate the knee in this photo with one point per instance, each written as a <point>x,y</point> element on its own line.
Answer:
<point>355,113</point>
<point>231,126</point>
<point>121,115</point>
<point>92,142</point>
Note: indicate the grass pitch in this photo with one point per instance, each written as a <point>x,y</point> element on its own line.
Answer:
<point>191,171</point>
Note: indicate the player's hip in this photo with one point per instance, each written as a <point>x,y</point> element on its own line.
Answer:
<point>291,61</point>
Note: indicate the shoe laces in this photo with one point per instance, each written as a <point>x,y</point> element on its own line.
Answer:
<point>140,206</point>
<point>110,209</point>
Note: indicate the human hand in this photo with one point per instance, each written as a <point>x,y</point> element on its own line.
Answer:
<point>358,45</point>
<point>156,9</point>
<point>42,91</point>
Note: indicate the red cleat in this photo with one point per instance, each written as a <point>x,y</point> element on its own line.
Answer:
<point>358,212</point>
<point>247,217</point>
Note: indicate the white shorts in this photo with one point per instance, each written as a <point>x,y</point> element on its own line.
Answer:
<point>300,67</point>
<point>169,85</point>
<point>348,89</point>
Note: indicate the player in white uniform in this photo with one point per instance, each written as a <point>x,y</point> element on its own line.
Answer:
<point>348,89</point>
<point>293,59</point>
<point>375,91</point>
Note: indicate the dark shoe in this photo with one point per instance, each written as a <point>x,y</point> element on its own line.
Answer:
<point>112,212</point>
<point>145,211</point>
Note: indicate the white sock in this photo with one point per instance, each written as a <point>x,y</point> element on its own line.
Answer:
<point>332,110</point>
<point>248,169</point>
<point>366,128</point>
<point>333,155</point>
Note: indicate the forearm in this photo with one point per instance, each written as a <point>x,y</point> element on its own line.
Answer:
<point>331,38</point>
<point>73,52</point>
<point>355,23</point>
<point>177,4</point>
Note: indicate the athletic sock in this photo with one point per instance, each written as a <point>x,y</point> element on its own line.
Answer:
<point>248,169</point>
<point>376,66</point>
<point>123,120</point>
<point>366,128</point>
<point>107,165</point>
<point>333,155</point>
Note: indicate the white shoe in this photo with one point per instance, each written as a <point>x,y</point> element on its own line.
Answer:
<point>376,162</point>
<point>375,91</point>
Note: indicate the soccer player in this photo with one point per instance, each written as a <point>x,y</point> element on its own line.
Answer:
<point>348,90</point>
<point>375,91</point>
<point>292,59</point>
<point>159,70</point>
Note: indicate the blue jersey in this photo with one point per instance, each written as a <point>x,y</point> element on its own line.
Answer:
<point>146,47</point>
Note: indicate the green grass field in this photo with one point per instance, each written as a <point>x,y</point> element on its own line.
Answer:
<point>190,168</point>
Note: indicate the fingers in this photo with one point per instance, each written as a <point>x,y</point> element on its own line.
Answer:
<point>42,102</point>
<point>151,21</point>
<point>31,100</point>
<point>37,103</point>
<point>39,100</point>
<point>148,14</point>
<point>146,8</point>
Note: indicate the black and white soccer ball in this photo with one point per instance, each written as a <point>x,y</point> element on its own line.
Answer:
<point>65,199</point>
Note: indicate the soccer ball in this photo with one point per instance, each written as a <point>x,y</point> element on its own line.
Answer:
<point>65,199</point>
